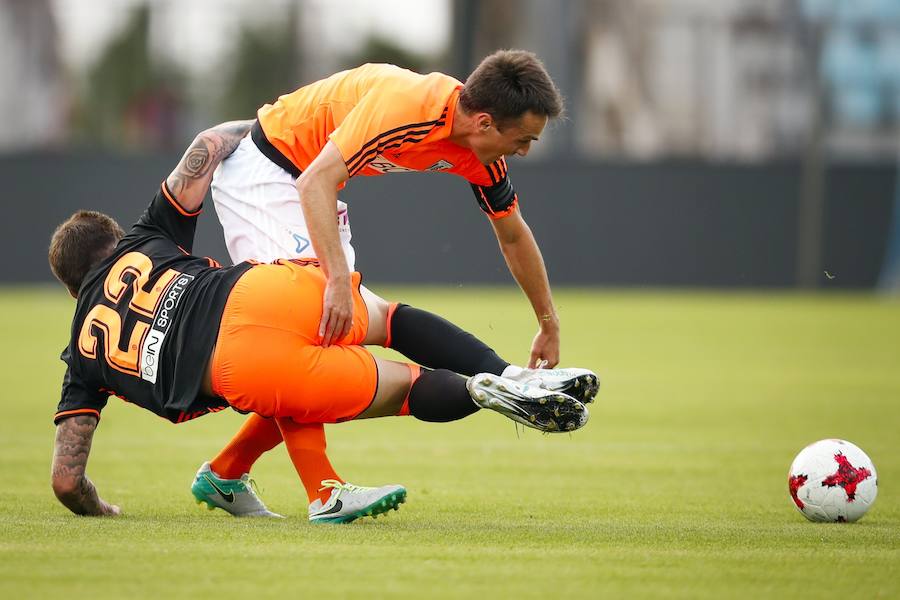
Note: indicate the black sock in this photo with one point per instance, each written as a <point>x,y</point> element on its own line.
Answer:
<point>436,343</point>
<point>440,396</point>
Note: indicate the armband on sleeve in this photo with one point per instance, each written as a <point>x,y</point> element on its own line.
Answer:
<point>497,200</point>
<point>495,194</point>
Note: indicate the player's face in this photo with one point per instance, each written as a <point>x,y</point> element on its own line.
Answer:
<point>514,138</point>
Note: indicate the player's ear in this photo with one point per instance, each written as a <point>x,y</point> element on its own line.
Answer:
<point>483,121</point>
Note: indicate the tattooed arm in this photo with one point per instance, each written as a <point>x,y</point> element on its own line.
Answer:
<point>70,484</point>
<point>190,179</point>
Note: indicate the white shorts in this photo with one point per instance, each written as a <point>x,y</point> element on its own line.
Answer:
<point>260,212</point>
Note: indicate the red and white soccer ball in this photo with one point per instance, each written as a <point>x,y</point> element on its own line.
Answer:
<point>832,480</point>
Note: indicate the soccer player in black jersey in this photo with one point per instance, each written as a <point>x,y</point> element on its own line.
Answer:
<point>181,336</point>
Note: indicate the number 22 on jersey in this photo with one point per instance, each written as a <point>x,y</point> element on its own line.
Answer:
<point>130,272</point>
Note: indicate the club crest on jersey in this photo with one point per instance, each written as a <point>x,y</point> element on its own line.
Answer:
<point>383,165</point>
<point>441,165</point>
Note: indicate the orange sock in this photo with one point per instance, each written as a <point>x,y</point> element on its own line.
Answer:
<point>414,372</point>
<point>256,436</point>
<point>392,308</point>
<point>306,445</point>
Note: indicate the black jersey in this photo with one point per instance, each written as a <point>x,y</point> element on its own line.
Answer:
<point>146,321</point>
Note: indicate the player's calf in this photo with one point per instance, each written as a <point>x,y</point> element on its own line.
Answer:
<point>441,396</point>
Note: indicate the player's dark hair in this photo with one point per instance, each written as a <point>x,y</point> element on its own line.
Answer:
<point>509,83</point>
<point>79,244</point>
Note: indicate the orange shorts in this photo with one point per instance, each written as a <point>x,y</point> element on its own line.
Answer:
<point>266,359</point>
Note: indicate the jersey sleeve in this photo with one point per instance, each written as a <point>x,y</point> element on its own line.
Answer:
<point>78,398</point>
<point>380,121</point>
<point>166,216</point>
<point>495,193</point>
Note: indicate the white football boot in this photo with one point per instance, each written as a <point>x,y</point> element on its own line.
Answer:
<point>235,496</point>
<point>532,406</point>
<point>349,502</point>
<point>581,384</point>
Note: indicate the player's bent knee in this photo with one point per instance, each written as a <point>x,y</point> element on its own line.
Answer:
<point>394,381</point>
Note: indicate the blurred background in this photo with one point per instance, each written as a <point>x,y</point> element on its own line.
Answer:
<point>736,143</point>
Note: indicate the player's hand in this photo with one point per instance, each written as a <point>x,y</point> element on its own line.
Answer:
<point>545,349</point>
<point>337,312</point>
<point>109,510</point>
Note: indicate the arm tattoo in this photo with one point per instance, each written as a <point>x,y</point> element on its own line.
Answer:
<point>73,445</point>
<point>191,176</point>
<point>196,162</point>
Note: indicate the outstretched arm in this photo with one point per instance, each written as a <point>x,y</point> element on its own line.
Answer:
<point>70,484</point>
<point>523,257</point>
<point>190,179</point>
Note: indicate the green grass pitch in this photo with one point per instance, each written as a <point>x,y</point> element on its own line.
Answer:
<point>676,488</point>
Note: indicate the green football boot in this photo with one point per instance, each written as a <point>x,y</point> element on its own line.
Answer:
<point>235,496</point>
<point>349,502</point>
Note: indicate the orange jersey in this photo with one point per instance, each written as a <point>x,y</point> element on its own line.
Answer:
<point>383,119</point>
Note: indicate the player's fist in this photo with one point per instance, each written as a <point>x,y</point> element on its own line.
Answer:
<point>110,510</point>
<point>544,350</point>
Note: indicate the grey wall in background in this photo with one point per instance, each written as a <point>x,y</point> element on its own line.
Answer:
<point>610,224</point>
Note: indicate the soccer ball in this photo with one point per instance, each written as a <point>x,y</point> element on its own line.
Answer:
<point>832,480</point>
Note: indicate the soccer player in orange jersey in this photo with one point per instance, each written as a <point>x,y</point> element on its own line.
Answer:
<point>180,336</point>
<point>276,196</point>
